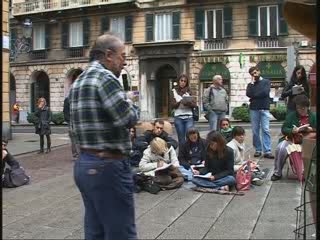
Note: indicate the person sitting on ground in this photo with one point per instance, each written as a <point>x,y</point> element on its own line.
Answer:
<point>7,158</point>
<point>192,152</point>
<point>219,162</point>
<point>159,155</point>
<point>135,155</point>
<point>290,127</point>
<point>238,146</point>
<point>142,142</point>
<point>226,129</point>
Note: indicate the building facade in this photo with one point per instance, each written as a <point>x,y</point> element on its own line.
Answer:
<point>6,132</point>
<point>163,40</point>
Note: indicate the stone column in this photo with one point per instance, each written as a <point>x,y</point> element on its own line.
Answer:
<point>183,66</point>
<point>143,91</point>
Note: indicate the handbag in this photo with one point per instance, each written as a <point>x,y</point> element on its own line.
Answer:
<point>243,177</point>
<point>15,177</point>
<point>195,113</point>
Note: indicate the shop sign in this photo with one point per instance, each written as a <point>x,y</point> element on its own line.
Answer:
<point>271,70</point>
<point>214,59</point>
<point>268,58</point>
<point>211,69</point>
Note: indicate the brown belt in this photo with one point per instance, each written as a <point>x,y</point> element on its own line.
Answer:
<point>103,153</point>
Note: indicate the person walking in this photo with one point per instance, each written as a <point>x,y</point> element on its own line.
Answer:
<point>43,128</point>
<point>258,91</point>
<point>66,113</point>
<point>182,103</point>
<point>16,111</point>
<point>215,100</point>
<point>100,118</point>
<point>298,85</point>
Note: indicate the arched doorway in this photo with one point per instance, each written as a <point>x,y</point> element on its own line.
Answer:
<point>40,87</point>
<point>72,75</point>
<point>165,76</point>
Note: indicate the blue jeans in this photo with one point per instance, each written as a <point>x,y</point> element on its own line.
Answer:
<point>187,174</point>
<point>214,119</point>
<point>182,126</point>
<point>106,187</point>
<point>227,180</point>
<point>261,118</point>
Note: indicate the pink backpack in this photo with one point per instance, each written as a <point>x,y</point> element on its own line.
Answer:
<point>243,177</point>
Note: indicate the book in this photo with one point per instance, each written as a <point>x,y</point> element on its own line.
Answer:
<point>208,175</point>
<point>187,98</point>
<point>303,127</point>
<point>165,166</point>
<point>297,89</point>
<point>196,166</point>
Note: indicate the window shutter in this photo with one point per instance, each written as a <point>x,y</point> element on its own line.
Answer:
<point>86,31</point>
<point>175,25</point>
<point>65,35</point>
<point>253,21</point>
<point>47,36</point>
<point>13,37</point>
<point>149,27</point>
<point>128,28</point>
<point>227,21</point>
<point>105,24</point>
<point>199,24</point>
<point>283,27</point>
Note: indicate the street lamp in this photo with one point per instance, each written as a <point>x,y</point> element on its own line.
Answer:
<point>296,46</point>
<point>27,28</point>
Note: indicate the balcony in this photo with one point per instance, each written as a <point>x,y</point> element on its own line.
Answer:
<point>37,6</point>
<point>268,42</point>
<point>75,52</point>
<point>214,44</point>
<point>38,54</point>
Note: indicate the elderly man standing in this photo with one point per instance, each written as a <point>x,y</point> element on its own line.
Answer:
<point>215,100</point>
<point>101,116</point>
<point>258,90</point>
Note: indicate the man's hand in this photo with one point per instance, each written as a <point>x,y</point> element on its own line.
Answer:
<point>295,130</point>
<point>212,178</point>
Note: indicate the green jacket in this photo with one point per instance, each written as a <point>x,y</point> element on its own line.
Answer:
<point>293,119</point>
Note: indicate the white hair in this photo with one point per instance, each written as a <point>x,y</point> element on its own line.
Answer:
<point>217,77</point>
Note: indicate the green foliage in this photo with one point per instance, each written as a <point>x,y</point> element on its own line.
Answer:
<point>58,118</point>
<point>279,112</point>
<point>31,118</point>
<point>241,113</point>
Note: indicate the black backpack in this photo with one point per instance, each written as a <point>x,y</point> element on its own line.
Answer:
<point>15,178</point>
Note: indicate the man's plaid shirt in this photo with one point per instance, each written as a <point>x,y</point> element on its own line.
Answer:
<point>99,113</point>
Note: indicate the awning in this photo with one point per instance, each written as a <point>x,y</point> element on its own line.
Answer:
<point>272,70</point>
<point>211,69</point>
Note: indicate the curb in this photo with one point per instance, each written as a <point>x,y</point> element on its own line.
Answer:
<point>35,151</point>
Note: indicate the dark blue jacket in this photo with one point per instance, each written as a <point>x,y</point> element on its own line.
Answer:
<point>259,94</point>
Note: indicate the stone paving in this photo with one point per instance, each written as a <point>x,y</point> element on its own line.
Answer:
<point>51,207</point>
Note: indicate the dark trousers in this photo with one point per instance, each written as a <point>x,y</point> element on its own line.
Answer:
<point>106,187</point>
<point>42,142</point>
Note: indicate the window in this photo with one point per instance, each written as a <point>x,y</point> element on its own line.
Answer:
<point>76,34</point>
<point>268,21</point>
<point>39,37</point>
<point>163,27</point>
<point>117,26</point>
<point>214,24</point>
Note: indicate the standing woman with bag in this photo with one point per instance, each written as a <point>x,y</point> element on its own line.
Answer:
<point>44,116</point>
<point>298,85</point>
<point>182,103</point>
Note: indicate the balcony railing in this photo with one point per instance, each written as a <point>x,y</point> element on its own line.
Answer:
<point>75,52</point>
<point>214,44</point>
<point>39,54</point>
<point>268,42</point>
<point>36,6</point>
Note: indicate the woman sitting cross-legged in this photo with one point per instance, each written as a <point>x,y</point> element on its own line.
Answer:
<point>238,146</point>
<point>156,156</point>
<point>290,127</point>
<point>192,152</point>
<point>219,161</point>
